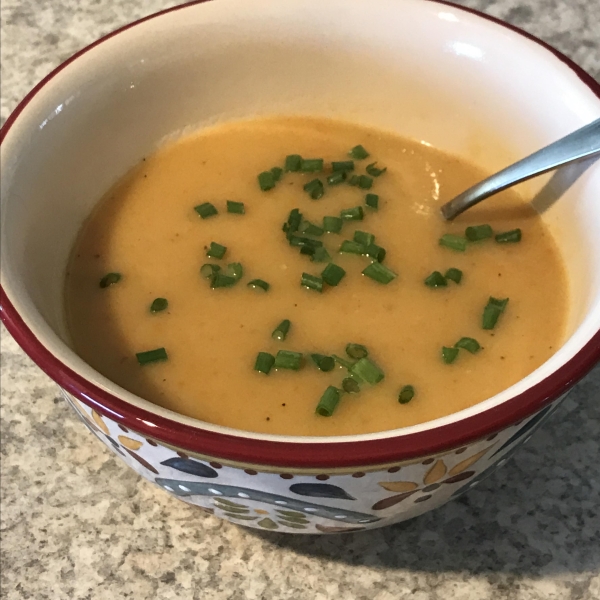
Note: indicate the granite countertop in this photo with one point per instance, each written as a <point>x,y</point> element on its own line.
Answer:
<point>78,524</point>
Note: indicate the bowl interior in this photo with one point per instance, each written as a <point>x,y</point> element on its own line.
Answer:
<point>424,70</point>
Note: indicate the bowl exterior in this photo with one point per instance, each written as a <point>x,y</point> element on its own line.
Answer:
<point>304,500</point>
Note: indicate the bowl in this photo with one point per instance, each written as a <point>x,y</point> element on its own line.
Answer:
<point>443,75</point>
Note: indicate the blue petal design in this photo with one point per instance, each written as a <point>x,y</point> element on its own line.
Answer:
<point>320,490</point>
<point>192,467</point>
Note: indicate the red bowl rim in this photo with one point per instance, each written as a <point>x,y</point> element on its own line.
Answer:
<point>304,455</point>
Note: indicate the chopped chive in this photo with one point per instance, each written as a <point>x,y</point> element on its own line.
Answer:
<point>219,280</point>
<point>293,222</point>
<point>332,274</point>
<point>329,400</point>
<point>301,241</point>
<point>364,238</point>
<point>355,213</point>
<point>342,165</point>
<point>208,270</point>
<point>285,359</point>
<point>455,242</point>
<point>454,275</point>
<point>372,201</point>
<point>353,180</point>
<point>324,363</point>
<point>308,228</point>
<point>264,362</point>
<point>159,304</point>
<point>376,252</point>
<point>151,356</point>
<point>293,163</point>
<point>280,332</point>
<point>356,351</point>
<point>110,279</point>
<point>320,255</point>
<point>477,233</point>
<point>492,312</point>
<point>336,178</point>
<point>277,172</point>
<point>206,210</point>
<point>266,181</point>
<point>235,270</point>
<point>311,165</point>
<point>366,370</point>
<point>332,224</point>
<point>375,171</point>
<point>358,153</point>
<point>350,386</point>
<point>509,237</point>
<point>469,344</point>
<point>259,284</point>
<point>351,247</point>
<point>314,189</point>
<point>407,393</point>
<point>380,273</point>
<point>312,282</point>
<point>449,355</point>
<point>216,250</point>
<point>236,208</point>
<point>342,361</point>
<point>364,182</point>
<point>435,280</point>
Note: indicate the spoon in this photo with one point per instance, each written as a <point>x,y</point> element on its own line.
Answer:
<point>580,144</point>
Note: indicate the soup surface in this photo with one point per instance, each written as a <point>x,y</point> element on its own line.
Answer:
<point>146,229</point>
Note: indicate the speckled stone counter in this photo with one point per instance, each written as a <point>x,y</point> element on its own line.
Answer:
<point>79,525</point>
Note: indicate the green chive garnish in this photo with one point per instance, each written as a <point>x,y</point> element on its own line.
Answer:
<point>375,252</point>
<point>357,351</point>
<point>216,250</point>
<point>266,181</point>
<point>342,165</point>
<point>264,362</point>
<point>259,284</point>
<point>449,355</point>
<point>366,370</point>
<point>293,163</point>
<point>206,210</point>
<point>364,182</point>
<point>332,224</point>
<point>312,282</point>
<point>374,171</point>
<point>336,178</point>
<point>492,312</point>
<point>358,153</point>
<point>208,270</point>
<point>286,359</point>
<point>329,400</point>
<point>342,361</point>
<point>277,172</point>
<point>364,238</point>
<point>332,274</point>
<point>454,275</point>
<point>407,393</point>
<point>110,279</point>
<point>372,201</point>
<point>380,273</point>
<point>455,242</point>
<point>300,241</point>
<point>469,344</point>
<point>478,233</point>
<point>151,356</point>
<point>236,208</point>
<point>351,247</point>
<point>219,280</point>
<point>159,304</point>
<point>280,332</point>
<point>435,280</point>
<point>293,222</point>
<point>353,180</point>
<point>320,255</point>
<point>355,213</point>
<point>509,237</point>
<point>315,189</point>
<point>308,228</point>
<point>350,386</point>
<point>311,165</point>
<point>324,363</point>
<point>235,270</point>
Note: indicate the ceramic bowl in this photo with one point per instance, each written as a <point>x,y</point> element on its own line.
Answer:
<point>427,70</point>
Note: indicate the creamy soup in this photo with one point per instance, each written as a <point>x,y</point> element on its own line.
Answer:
<point>136,281</point>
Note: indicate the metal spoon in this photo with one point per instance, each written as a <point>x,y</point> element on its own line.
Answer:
<point>580,144</point>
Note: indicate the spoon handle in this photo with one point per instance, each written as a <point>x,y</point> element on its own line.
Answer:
<point>580,144</point>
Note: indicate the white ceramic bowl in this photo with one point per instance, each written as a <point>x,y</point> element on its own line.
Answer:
<point>423,69</point>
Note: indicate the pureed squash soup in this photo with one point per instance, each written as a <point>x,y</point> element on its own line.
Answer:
<point>294,276</point>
